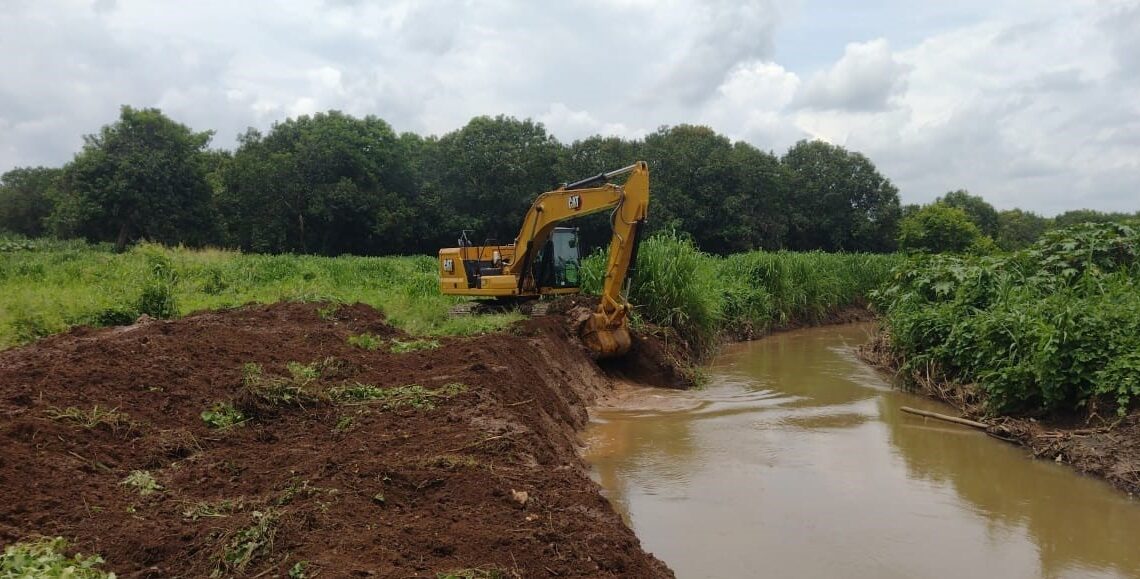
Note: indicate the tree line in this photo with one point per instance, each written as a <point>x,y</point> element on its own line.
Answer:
<point>332,184</point>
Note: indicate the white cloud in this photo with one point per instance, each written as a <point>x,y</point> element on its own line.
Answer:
<point>1026,102</point>
<point>863,80</point>
<point>574,125</point>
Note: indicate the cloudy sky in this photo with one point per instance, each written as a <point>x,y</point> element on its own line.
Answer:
<point>1032,104</point>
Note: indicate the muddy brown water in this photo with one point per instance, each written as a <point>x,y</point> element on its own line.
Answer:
<point>795,461</point>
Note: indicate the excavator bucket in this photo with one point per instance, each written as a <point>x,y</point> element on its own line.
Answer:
<point>603,340</point>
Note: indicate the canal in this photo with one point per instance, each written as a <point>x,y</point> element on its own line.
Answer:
<point>795,461</point>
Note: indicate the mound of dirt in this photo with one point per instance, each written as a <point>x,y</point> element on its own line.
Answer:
<point>401,461</point>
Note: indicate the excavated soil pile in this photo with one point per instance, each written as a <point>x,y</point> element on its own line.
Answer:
<point>458,459</point>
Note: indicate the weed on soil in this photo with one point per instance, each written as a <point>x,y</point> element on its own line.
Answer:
<point>46,558</point>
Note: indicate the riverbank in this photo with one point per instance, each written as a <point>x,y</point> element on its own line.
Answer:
<point>1106,447</point>
<point>312,438</point>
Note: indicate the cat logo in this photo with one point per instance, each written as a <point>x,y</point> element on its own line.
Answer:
<point>449,265</point>
<point>575,201</point>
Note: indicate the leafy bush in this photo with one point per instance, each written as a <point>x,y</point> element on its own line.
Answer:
<point>1049,328</point>
<point>365,341</point>
<point>939,228</point>
<point>222,415</point>
<point>142,481</point>
<point>45,558</point>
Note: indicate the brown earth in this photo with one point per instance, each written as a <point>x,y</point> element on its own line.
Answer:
<point>1107,447</point>
<point>488,479</point>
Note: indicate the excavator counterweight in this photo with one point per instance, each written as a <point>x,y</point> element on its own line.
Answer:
<point>544,260</point>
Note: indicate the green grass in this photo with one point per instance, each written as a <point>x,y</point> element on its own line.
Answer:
<point>222,415</point>
<point>49,286</point>
<point>1051,328</point>
<point>410,396</point>
<point>405,346</point>
<point>248,544</point>
<point>366,341</point>
<point>46,558</point>
<point>704,297</point>
<point>472,574</point>
<point>110,419</point>
<point>206,509</point>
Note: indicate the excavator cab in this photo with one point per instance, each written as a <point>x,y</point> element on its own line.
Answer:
<point>559,261</point>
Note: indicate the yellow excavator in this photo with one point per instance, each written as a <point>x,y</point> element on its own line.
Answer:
<point>544,258</point>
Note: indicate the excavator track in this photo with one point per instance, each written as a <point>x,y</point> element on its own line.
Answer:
<point>529,308</point>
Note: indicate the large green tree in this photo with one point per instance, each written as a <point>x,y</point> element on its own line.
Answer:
<point>590,157</point>
<point>939,228</point>
<point>1018,229</point>
<point>977,209</point>
<point>839,201</point>
<point>328,183</point>
<point>758,214</point>
<point>1079,216</point>
<point>485,176</point>
<point>693,185</point>
<point>27,198</point>
<point>143,176</point>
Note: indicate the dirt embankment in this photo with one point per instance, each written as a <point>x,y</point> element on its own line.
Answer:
<point>475,468</point>
<point>1103,446</point>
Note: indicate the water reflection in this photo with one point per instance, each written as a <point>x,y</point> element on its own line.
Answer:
<point>796,462</point>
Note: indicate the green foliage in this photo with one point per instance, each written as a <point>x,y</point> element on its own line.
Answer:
<point>1019,229</point>
<point>157,297</point>
<point>726,197</point>
<point>328,183</point>
<point>140,177</point>
<point>142,482</point>
<point>50,286</point>
<point>45,558</point>
<point>765,290</point>
<point>365,341</point>
<point>838,200</point>
<point>675,286</point>
<point>405,346</point>
<point>27,199</point>
<point>222,415</point>
<point>248,544</point>
<point>334,184</point>
<point>108,419</point>
<point>217,509</point>
<point>700,295</point>
<point>980,213</point>
<point>1049,328</point>
<point>938,228</point>
<point>410,396</point>
<point>472,574</point>
<point>297,571</point>
<point>296,389</point>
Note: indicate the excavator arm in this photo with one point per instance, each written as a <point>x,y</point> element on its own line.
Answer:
<point>628,202</point>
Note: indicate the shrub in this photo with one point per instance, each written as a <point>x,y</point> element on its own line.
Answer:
<point>938,228</point>
<point>45,558</point>
<point>1049,328</point>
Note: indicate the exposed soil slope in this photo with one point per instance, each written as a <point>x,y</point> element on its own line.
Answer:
<point>385,489</point>
<point>1104,446</point>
